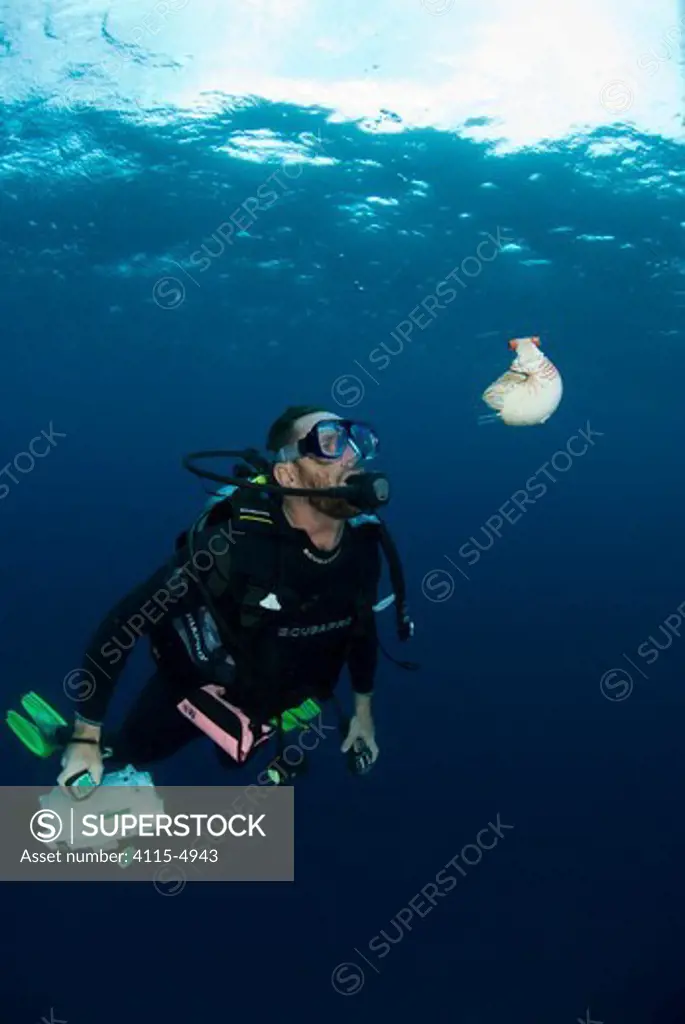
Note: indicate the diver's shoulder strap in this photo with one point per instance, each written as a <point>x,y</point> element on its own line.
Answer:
<point>254,507</point>
<point>248,566</point>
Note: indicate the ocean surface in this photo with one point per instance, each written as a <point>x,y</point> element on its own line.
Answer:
<point>210,211</point>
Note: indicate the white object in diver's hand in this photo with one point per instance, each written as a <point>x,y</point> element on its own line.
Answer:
<point>530,390</point>
<point>125,792</point>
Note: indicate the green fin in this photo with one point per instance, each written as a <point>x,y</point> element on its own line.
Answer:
<point>30,735</point>
<point>297,717</point>
<point>288,721</point>
<point>45,716</point>
<point>308,710</point>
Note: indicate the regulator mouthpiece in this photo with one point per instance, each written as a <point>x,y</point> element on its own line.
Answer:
<point>367,490</point>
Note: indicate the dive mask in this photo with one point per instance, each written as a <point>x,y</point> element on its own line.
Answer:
<point>329,439</point>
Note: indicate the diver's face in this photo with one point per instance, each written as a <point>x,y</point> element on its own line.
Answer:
<point>318,474</point>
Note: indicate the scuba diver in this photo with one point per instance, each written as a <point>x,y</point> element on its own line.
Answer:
<point>266,599</point>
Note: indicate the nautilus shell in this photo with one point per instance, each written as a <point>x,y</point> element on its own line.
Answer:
<point>530,390</point>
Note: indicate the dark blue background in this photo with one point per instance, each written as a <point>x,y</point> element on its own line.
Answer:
<point>580,905</point>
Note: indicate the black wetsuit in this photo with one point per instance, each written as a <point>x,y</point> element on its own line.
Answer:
<point>303,645</point>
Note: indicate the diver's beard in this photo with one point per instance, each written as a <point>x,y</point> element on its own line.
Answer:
<point>334,508</point>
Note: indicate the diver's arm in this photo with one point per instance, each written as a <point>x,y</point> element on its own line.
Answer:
<point>104,658</point>
<point>137,614</point>
<point>362,658</point>
<point>362,665</point>
<point>362,708</point>
<point>362,661</point>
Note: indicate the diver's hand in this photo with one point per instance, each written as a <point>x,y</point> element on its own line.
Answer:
<point>361,728</point>
<point>82,757</point>
<point>79,758</point>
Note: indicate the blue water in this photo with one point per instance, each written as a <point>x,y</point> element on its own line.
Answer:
<point>133,351</point>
